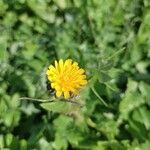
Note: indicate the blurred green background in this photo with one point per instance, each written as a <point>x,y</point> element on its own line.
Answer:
<point>110,39</point>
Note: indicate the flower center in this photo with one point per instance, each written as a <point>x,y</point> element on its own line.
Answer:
<point>66,81</point>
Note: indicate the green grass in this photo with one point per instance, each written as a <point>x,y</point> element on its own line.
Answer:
<point>110,40</point>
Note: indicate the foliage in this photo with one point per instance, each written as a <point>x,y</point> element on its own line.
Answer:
<point>110,40</point>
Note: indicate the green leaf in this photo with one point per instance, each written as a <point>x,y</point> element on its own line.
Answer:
<point>60,142</point>
<point>142,115</point>
<point>23,144</point>
<point>146,145</point>
<point>44,144</point>
<point>108,127</point>
<point>1,142</point>
<point>131,100</point>
<point>145,90</point>
<point>60,106</point>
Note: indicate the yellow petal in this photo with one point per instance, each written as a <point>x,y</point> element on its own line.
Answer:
<point>50,78</point>
<point>56,64</point>
<point>82,76</point>
<point>81,71</point>
<point>68,62</point>
<point>61,65</point>
<point>64,89</point>
<point>47,72</point>
<point>66,95</point>
<point>57,87</point>
<point>51,67</point>
<point>53,85</point>
<point>75,64</point>
<point>83,82</point>
<point>77,86</point>
<point>58,93</point>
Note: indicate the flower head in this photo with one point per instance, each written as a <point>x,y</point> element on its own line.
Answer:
<point>66,78</point>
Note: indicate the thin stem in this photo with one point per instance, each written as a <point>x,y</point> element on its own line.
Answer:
<point>115,54</point>
<point>49,100</point>
<point>95,92</point>
<point>35,99</point>
<point>109,87</point>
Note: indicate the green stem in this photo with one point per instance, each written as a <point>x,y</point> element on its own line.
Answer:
<point>49,100</point>
<point>115,54</point>
<point>95,92</point>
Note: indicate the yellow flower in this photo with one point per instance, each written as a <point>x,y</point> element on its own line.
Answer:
<point>66,78</point>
